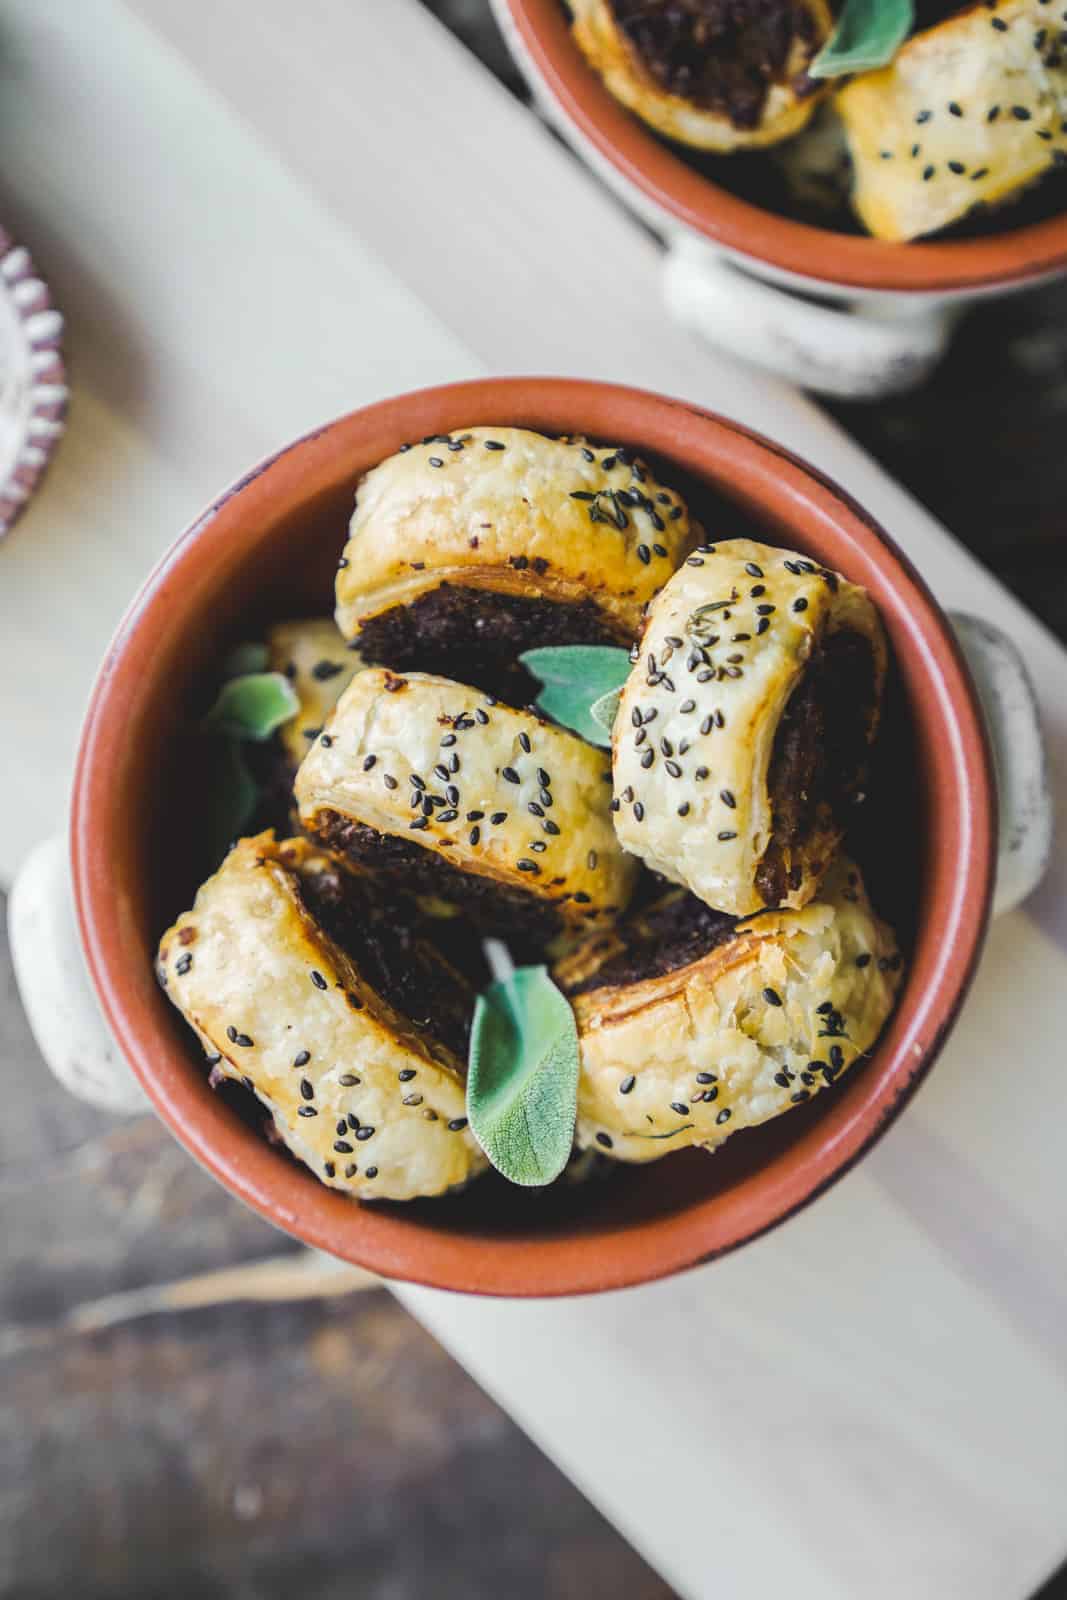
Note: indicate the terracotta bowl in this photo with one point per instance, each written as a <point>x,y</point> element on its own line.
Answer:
<point>669,182</point>
<point>268,548</point>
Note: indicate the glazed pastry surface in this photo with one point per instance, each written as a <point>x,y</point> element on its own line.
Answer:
<point>743,728</point>
<point>492,793</point>
<point>511,513</point>
<point>776,1010</point>
<point>372,1103</point>
<point>971,110</point>
<point>715,74</point>
<point>319,665</point>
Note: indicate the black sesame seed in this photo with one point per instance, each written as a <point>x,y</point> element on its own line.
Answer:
<point>800,1096</point>
<point>605,1140</point>
<point>474,835</point>
<point>365,1133</point>
<point>457,1124</point>
<point>864,960</point>
<point>549,826</point>
<point>435,461</point>
<point>509,775</point>
<point>353,1121</point>
<point>772,997</point>
<point>307,1111</point>
<point>639,812</point>
<point>956,110</point>
<point>301,1058</point>
<point>923,116</point>
<point>674,769</point>
<point>648,758</point>
<point>447,816</point>
<point>800,604</point>
<point>372,1172</point>
<point>342,1147</point>
<point>498,817</point>
<point>627,1084</point>
<point>348,1080</point>
<point>524,741</point>
<point>644,554</point>
<point>683,809</point>
<point>183,964</point>
<point>680,1107</point>
<point>490,444</point>
<point>782,1079</point>
<point>307,1089</point>
<point>706,1077</point>
<point>329,1169</point>
<point>753,570</point>
<point>724,1115</point>
<point>318,980</point>
<point>701,773</point>
<point>351,1169</point>
<point>727,834</point>
<point>727,798</point>
<point>1021,114</point>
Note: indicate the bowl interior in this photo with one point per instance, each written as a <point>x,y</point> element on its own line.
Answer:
<point>269,550</point>
<point>681,183</point>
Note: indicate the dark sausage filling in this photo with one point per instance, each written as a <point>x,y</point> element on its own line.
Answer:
<point>494,907</point>
<point>672,933</point>
<point>394,959</point>
<point>820,755</point>
<point>475,636</point>
<point>721,55</point>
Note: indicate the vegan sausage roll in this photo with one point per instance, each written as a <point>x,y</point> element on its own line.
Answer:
<point>692,1025</point>
<point>349,1029</point>
<point>319,665</point>
<point>471,547</point>
<point>448,793</point>
<point>969,111</point>
<point>743,730</point>
<point>715,74</point>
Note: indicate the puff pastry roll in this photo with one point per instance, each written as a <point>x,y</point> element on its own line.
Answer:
<point>469,548</point>
<point>971,110</point>
<point>716,74</point>
<point>692,1025</point>
<point>319,665</point>
<point>349,1030</point>
<point>451,794</point>
<point>743,730</point>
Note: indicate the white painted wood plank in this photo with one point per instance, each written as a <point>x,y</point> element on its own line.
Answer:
<point>254,224</point>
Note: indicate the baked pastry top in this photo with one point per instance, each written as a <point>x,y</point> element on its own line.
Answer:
<point>319,664</point>
<point>495,531</point>
<point>969,111</point>
<point>348,1028</point>
<point>455,794</point>
<point>736,1023</point>
<point>715,74</point>
<point>743,729</point>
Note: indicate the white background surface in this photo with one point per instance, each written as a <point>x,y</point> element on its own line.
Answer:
<point>258,216</point>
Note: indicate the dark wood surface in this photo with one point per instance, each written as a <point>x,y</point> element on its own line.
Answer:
<point>328,1448</point>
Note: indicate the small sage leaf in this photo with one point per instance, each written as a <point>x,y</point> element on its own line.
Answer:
<point>234,796</point>
<point>252,706</point>
<point>606,709</point>
<point>522,1079</point>
<point>245,658</point>
<point>868,35</point>
<point>574,677</point>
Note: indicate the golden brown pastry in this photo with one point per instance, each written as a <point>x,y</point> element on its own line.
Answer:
<point>716,74</point>
<point>692,1026</point>
<point>348,1029</point>
<point>450,793</point>
<point>319,665</point>
<point>743,730</point>
<point>469,548</point>
<point>971,110</point>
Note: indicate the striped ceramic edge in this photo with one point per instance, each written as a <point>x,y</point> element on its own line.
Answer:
<point>33,379</point>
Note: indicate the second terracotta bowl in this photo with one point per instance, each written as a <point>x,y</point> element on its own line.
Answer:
<point>268,548</point>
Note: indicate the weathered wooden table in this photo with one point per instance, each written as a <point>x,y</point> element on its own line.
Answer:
<point>253,225</point>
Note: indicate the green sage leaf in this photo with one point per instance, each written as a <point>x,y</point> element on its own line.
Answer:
<point>252,706</point>
<point>574,677</point>
<point>234,796</point>
<point>522,1079</point>
<point>606,709</point>
<point>245,658</point>
<point>868,35</point>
